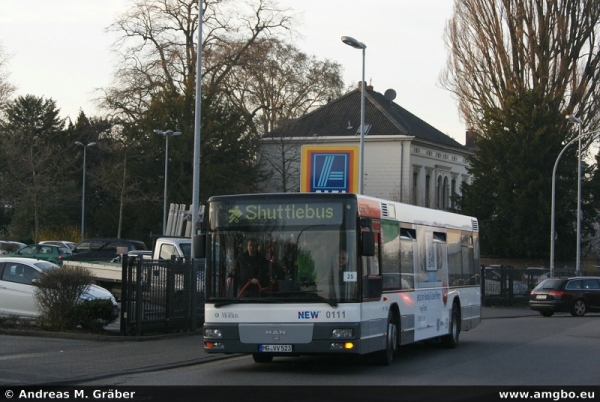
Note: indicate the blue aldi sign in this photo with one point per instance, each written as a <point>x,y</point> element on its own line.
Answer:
<point>330,173</point>
<point>329,169</point>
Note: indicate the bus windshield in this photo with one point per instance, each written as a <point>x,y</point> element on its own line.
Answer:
<point>306,264</point>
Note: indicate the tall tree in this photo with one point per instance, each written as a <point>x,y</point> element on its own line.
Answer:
<point>227,153</point>
<point>158,48</point>
<point>112,180</point>
<point>511,62</point>
<point>32,143</point>
<point>512,169</point>
<point>6,89</point>
<point>498,48</point>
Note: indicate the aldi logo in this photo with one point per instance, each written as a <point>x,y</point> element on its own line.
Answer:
<point>331,172</point>
<point>329,169</point>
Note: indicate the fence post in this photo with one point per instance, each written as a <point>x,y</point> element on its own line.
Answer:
<point>482,276</point>
<point>139,299</point>
<point>193,294</point>
<point>124,294</point>
<point>169,302</point>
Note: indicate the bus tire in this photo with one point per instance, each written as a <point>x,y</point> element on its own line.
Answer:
<point>262,358</point>
<point>385,357</point>
<point>451,340</point>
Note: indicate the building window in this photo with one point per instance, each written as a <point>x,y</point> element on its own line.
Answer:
<point>427,186</point>
<point>415,187</point>
<point>453,193</point>
<point>445,194</point>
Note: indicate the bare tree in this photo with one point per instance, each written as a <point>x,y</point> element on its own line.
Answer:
<point>280,159</point>
<point>502,47</point>
<point>276,81</point>
<point>159,43</point>
<point>273,84</point>
<point>6,89</point>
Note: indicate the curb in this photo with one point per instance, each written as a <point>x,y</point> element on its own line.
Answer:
<point>95,337</point>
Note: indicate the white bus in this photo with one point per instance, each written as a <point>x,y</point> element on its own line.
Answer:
<point>411,275</point>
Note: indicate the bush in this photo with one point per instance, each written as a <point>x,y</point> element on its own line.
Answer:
<point>95,314</point>
<point>57,294</point>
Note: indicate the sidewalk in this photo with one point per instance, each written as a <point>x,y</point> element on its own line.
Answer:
<point>507,312</point>
<point>41,358</point>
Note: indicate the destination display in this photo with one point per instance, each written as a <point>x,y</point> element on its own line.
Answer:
<point>238,214</point>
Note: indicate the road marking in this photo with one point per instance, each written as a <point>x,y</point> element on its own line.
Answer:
<point>25,355</point>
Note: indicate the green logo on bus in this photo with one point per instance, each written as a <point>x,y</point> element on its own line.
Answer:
<point>235,214</point>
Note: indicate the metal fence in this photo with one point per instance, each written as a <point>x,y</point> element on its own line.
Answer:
<point>161,296</point>
<point>505,285</point>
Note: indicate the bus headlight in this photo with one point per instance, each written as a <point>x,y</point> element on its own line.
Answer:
<point>342,333</point>
<point>213,333</point>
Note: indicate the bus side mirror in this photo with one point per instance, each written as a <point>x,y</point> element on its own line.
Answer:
<point>368,244</point>
<point>199,246</point>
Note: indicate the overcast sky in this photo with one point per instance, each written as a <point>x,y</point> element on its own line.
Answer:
<point>60,49</point>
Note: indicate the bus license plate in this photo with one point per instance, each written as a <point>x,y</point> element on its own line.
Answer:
<point>275,348</point>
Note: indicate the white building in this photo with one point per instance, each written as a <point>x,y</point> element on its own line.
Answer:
<point>406,159</point>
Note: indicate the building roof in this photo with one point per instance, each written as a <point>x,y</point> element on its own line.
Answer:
<point>341,117</point>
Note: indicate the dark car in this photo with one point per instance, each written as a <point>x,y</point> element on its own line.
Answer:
<point>573,295</point>
<point>45,252</point>
<point>104,249</point>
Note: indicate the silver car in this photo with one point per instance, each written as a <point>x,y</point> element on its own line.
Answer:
<point>68,244</point>
<point>17,289</point>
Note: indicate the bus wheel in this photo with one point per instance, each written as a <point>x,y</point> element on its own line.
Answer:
<point>451,340</point>
<point>262,358</point>
<point>386,356</point>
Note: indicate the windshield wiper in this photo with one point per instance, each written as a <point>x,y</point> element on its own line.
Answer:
<point>332,303</point>
<point>241,301</point>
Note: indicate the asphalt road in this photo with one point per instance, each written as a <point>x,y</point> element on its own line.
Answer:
<point>524,351</point>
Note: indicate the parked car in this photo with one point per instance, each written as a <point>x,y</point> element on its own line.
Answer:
<point>104,249</point>
<point>17,289</point>
<point>46,252</point>
<point>7,246</point>
<point>577,296</point>
<point>69,244</point>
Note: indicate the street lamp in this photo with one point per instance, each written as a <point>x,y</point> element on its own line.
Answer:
<point>359,45</point>
<point>574,119</point>
<point>91,144</point>
<point>553,208</point>
<point>166,134</point>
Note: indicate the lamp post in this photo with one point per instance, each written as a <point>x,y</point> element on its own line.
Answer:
<point>166,134</point>
<point>574,119</point>
<point>553,208</point>
<point>91,144</point>
<point>359,45</point>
